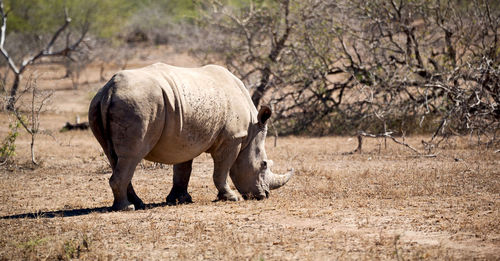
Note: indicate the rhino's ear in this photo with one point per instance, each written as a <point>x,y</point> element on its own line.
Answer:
<point>264,114</point>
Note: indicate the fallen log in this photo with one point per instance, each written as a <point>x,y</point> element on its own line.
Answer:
<point>76,126</point>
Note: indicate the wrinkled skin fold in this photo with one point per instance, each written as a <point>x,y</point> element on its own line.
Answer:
<point>171,115</point>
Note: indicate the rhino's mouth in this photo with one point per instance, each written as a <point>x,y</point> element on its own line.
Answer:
<point>260,189</point>
<point>262,194</point>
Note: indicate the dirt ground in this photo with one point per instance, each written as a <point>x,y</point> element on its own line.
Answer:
<point>385,203</point>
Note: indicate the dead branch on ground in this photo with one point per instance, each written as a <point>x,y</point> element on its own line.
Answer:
<point>362,134</point>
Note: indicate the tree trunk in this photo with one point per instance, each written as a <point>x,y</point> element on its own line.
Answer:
<point>262,87</point>
<point>13,92</point>
<point>33,149</point>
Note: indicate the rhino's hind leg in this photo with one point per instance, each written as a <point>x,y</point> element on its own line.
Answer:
<point>179,193</point>
<point>120,183</point>
<point>133,198</point>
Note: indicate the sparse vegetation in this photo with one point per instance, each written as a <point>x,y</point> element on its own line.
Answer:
<point>340,206</point>
<point>337,67</point>
<point>30,120</point>
<point>8,149</point>
<point>17,69</point>
<point>386,202</point>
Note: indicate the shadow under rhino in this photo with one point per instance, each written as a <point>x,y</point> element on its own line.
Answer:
<point>73,212</point>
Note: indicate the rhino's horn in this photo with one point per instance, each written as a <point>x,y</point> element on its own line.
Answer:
<point>276,181</point>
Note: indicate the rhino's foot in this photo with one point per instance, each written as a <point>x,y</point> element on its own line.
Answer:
<point>123,206</point>
<point>137,203</point>
<point>175,198</point>
<point>227,196</point>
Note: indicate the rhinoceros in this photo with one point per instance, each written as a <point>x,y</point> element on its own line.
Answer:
<point>170,115</point>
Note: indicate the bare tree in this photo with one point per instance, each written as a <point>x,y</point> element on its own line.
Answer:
<point>381,66</point>
<point>426,60</point>
<point>78,62</point>
<point>48,51</point>
<point>250,43</point>
<point>30,119</point>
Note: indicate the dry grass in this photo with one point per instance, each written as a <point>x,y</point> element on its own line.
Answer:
<point>374,205</point>
<point>382,204</point>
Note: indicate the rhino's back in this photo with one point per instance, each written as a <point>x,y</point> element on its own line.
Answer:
<point>203,107</point>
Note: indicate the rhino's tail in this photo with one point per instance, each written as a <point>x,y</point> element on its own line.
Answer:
<point>100,121</point>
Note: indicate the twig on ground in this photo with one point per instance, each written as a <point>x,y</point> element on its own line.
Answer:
<point>362,134</point>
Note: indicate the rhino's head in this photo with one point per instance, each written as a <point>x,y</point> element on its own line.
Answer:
<point>251,173</point>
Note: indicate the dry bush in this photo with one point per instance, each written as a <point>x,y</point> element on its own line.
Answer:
<point>342,66</point>
<point>26,111</point>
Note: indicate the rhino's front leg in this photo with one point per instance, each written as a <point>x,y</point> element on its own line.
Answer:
<point>223,161</point>
<point>179,193</point>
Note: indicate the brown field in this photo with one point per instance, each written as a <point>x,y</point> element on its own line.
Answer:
<point>382,204</point>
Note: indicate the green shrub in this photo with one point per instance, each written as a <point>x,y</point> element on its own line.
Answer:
<point>8,149</point>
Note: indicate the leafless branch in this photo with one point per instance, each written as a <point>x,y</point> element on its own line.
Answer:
<point>31,123</point>
<point>386,135</point>
<point>47,51</point>
<point>333,67</point>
